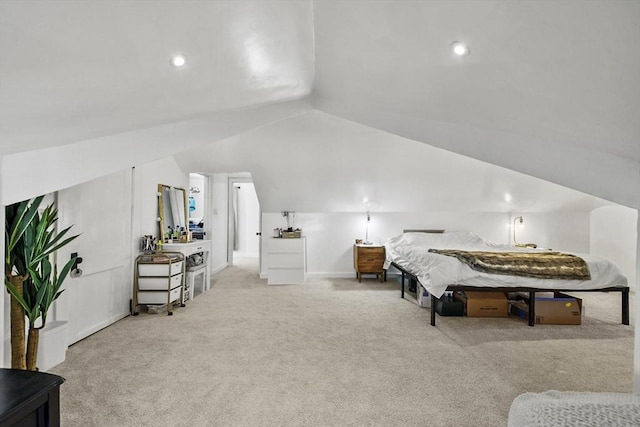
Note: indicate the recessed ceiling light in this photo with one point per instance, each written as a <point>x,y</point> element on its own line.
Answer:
<point>459,49</point>
<point>178,60</point>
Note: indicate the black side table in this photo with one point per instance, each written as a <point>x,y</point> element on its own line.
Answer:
<point>29,398</point>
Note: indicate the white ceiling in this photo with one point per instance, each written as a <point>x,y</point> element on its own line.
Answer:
<point>551,89</point>
<point>74,70</point>
<point>328,164</point>
<point>566,72</point>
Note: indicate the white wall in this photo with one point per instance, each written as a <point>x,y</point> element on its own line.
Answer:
<point>560,231</point>
<point>165,171</point>
<point>101,212</point>
<point>330,236</point>
<point>612,238</point>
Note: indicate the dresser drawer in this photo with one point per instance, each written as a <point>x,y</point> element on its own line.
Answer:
<point>286,260</point>
<point>278,245</point>
<point>159,283</point>
<point>160,269</point>
<point>158,297</point>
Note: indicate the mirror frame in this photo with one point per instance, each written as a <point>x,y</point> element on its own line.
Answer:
<point>162,209</point>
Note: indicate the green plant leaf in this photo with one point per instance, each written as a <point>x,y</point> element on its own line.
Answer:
<point>30,240</point>
<point>52,246</point>
<point>53,288</point>
<point>18,217</point>
<point>46,240</point>
<point>22,217</point>
<point>14,292</point>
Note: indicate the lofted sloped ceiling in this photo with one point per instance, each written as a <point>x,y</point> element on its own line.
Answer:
<point>316,162</point>
<point>550,89</point>
<point>75,70</point>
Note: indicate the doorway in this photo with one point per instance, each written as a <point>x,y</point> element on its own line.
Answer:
<point>244,224</point>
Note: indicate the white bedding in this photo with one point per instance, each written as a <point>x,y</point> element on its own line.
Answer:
<point>435,272</point>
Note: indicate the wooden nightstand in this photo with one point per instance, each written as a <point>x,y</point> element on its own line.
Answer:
<point>368,259</point>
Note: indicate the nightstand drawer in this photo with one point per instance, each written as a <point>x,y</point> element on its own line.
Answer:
<point>370,258</point>
<point>375,251</point>
<point>369,266</point>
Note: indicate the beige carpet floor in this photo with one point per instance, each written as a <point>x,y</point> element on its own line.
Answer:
<point>332,352</point>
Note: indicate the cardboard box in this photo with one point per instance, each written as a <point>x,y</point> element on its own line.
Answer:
<point>446,305</point>
<point>559,310</point>
<point>519,308</point>
<point>484,303</point>
<point>424,297</point>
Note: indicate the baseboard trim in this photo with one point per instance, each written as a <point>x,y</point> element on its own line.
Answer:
<point>332,275</point>
<point>95,328</point>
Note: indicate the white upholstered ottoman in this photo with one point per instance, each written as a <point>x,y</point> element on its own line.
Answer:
<point>563,408</point>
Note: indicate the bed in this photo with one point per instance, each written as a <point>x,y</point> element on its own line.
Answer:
<point>426,258</point>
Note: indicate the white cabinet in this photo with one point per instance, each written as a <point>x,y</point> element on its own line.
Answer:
<point>158,280</point>
<point>286,261</point>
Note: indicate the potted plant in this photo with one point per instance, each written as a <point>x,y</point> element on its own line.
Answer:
<point>17,218</point>
<point>30,276</point>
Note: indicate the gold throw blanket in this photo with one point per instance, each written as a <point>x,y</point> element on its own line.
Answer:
<point>541,265</point>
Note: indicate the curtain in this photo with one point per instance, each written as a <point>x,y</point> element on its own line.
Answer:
<point>235,217</point>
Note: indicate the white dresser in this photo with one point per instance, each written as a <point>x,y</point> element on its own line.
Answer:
<point>286,261</point>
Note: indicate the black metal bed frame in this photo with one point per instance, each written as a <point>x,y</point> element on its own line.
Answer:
<point>531,291</point>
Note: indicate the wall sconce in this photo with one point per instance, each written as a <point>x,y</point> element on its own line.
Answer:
<point>520,220</point>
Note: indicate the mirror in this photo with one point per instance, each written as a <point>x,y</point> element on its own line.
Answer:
<point>172,206</point>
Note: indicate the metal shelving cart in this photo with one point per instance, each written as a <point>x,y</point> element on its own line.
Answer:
<point>159,280</point>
